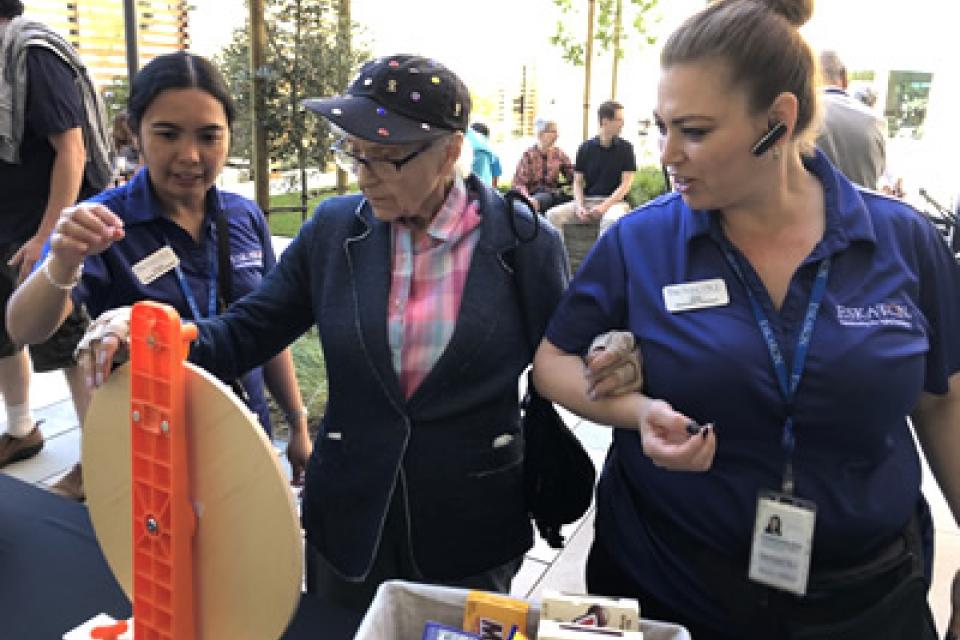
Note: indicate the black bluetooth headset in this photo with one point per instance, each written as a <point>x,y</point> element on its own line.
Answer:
<point>774,133</point>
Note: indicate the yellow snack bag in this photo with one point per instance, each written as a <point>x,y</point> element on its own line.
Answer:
<point>492,615</point>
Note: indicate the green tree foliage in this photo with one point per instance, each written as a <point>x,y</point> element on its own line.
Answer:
<point>115,94</point>
<point>606,29</point>
<point>305,58</point>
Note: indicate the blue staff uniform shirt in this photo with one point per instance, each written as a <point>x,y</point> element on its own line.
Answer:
<point>108,280</point>
<point>886,331</point>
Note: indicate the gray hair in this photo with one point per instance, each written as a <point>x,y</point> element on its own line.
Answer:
<point>832,69</point>
<point>542,123</point>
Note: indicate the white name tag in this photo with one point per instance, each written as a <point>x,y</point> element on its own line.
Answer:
<point>695,295</point>
<point>155,265</point>
<point>782,542</point>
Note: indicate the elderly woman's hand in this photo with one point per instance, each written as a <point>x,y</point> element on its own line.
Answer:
<point>613,365</point>
<point>670,441</point>
<point>84,230</point>
<point>104,342</point>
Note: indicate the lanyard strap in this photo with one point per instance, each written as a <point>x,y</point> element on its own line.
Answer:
<point>211,286</point>
<point>788,385</point>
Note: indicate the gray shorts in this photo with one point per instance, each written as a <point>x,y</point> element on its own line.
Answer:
<point>57,351</point>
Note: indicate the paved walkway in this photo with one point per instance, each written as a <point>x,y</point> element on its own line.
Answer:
<point>543,567</point>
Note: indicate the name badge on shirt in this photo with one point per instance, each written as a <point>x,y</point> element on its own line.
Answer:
<point>155,265</point>
<point>782,542</point>
<point>701,294</point>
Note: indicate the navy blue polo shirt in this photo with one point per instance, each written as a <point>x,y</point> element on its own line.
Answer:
<point>886,331</point>
<point>53,105</point>
<point>108,280</point>
<point>602,167</point>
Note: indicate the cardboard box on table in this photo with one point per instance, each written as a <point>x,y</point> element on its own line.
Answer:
<point>400,609</point>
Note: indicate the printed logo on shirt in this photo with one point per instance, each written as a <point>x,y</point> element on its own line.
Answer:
<point>247,259</point>
<point>893,314</point>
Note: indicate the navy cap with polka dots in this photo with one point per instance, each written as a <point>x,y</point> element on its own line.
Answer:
<point>398,100</point>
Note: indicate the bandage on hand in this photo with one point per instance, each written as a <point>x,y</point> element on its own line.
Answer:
<point>104,344</point>
<point>613,364</point>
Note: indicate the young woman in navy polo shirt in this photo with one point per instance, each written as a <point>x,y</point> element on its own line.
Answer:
<point>180,112</point>
<point>790,324</point>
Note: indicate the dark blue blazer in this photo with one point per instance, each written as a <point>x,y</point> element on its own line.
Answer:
<point>463,495</point>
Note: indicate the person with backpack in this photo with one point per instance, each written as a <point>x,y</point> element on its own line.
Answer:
<point>54,151</point>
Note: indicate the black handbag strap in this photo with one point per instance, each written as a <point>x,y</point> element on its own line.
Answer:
<point>510,198</point>
<point>225,286</point>
<point>224,268</point>
<point>509,257</point>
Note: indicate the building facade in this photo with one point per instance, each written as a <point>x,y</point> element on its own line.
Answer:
<point>96,29</point>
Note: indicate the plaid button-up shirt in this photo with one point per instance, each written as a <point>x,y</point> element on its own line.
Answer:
<point>538,171</point>
<point>427,286</point>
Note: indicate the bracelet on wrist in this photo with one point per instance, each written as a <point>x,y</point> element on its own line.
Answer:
<point>292,416</point>
<point>63,286</point>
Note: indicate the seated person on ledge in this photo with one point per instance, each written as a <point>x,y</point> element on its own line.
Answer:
<point>602,175</point>
<point>541,167</point>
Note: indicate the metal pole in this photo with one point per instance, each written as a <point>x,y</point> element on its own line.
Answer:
<point>617,26</point>
<point>130,35</point>
<point>258,39</point>
<point>586,68</point>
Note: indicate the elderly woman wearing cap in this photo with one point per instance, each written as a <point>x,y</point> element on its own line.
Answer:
<point>428,308</point>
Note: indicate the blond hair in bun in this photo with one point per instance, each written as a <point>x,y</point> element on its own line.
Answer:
<point>759,43</point>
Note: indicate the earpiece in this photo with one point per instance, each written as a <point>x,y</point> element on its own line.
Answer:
<point>769,139</point>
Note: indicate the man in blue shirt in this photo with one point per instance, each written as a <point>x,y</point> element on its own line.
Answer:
<point>486,164</point>
<point>603,174</point>
<point>45,174</point>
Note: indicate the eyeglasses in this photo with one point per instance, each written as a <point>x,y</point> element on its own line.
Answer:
<point>350,161</point>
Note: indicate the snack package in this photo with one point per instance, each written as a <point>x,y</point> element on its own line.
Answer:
<point>553,630</point>
<point>436,631</point>
<point>595,611</point>
<point>491,615</point>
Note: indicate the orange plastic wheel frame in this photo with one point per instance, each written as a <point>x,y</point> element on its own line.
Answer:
<point>164,522</point>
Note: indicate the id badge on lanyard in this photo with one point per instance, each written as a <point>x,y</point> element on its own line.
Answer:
<point>783,528</point>
<point>782,541</point>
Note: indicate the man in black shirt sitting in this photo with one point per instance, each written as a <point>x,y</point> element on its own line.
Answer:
<point>603,173</point>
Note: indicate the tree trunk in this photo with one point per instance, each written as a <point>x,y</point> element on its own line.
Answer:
<point>343,41</point>
<point>617,30</point>
<point>258,37</point>
<point>586,69</point>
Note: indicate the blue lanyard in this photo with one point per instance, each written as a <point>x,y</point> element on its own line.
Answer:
<point>788,385</point>
<point>211,285</point>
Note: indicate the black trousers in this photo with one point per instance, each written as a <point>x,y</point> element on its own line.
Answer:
<point>393,561</point>
<point>605,577</point>
<point>890,605</point>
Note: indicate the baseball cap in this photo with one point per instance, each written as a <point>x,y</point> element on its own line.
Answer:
<point>398,100</point>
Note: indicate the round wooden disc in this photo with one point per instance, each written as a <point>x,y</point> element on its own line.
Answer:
<point>247,548</point>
